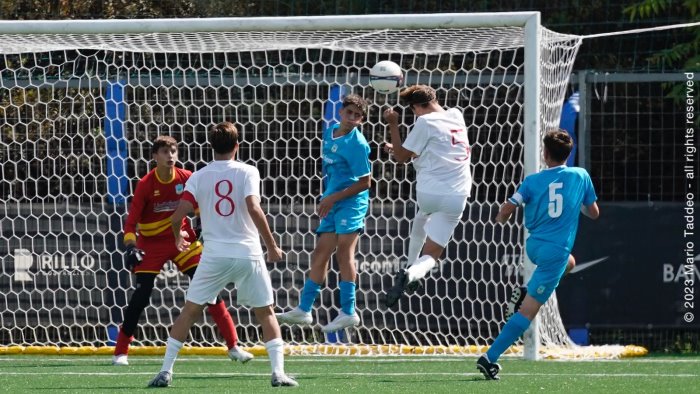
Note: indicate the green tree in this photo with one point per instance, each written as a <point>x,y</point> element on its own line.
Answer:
<point>683,55</point>
<point>122,9</point>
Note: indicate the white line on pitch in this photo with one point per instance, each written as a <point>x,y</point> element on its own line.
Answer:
<point>597,375</point>
<point>330,359</point>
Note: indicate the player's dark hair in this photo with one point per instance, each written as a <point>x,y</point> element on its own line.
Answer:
<point>163,141</point>
<point>421,95</point>
<point>353,99</point>
<point>558,144</point>
<point>223,137</point>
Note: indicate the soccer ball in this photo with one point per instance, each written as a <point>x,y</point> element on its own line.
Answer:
<point>386,77</point>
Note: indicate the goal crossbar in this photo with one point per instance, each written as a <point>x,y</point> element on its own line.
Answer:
<point>292,23</point>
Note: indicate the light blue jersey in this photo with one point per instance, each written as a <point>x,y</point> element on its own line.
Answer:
<point>553,199</point>
<point>345,161</point>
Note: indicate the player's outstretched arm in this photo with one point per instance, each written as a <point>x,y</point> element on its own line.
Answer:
<point>505,212</point>
<point>274,253</point>
<point>592,211</point>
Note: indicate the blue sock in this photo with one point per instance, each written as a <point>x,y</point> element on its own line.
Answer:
<point>514,328</point>
<point>347,297</point>
<point>308,295</point>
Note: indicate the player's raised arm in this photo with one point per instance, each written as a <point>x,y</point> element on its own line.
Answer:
<point>400,153</point>
<point>274,253</point>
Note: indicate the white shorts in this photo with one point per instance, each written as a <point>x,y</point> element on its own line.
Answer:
<point>441,213</point>
<point>250,277</point>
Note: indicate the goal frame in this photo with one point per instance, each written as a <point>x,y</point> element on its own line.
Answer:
<point>529,21</point>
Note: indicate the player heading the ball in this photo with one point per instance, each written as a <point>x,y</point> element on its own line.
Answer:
<point>440,150</point>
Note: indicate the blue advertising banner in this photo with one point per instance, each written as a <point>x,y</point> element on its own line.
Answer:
<point>117,153</point>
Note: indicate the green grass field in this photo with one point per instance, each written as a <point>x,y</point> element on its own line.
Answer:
<point>417,374</point>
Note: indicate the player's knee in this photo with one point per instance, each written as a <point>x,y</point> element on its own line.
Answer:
<point>530,307</point>
<point>191,311</point>
<point>263,312</point>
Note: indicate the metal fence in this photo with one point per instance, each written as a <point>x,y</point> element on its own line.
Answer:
<point>632,135</point>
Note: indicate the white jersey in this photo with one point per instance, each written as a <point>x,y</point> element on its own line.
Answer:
<point>220,190</point>
<point>439,139</point>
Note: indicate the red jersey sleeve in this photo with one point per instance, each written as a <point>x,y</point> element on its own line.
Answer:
<point>138,202</point>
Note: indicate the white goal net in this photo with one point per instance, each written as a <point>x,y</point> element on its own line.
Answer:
<point>78,112</point>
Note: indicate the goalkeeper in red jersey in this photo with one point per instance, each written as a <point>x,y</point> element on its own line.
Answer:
<point>156,197</point>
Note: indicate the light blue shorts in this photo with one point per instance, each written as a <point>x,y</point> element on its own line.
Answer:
<point>344,219</point>
<point>551,261</point>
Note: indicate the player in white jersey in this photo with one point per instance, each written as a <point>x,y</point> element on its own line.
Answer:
<point>228,195</point>
<point>440,150</point>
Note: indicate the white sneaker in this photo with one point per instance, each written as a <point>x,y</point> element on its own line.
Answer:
<point>295,316</point>
<point>283,380</point>
<point>120,359</point>
<point>240,355</point>
<point>341,321</point>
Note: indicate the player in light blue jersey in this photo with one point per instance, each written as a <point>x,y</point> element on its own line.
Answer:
<point>342,210</point>
<point>553,199</point>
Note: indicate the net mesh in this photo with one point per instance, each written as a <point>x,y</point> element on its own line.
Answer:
<point>79,111</point>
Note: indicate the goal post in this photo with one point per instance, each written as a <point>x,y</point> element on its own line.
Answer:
<point>531,140</point>
<point>81,101</point>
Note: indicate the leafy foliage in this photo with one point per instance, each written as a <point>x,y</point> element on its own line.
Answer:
<point>683,55</point>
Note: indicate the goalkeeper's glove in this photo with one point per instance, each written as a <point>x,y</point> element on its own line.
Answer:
<point>133,257</point>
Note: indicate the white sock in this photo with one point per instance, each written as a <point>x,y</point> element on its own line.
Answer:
<point>417,237</point>
<point>275,350</point>
<point>420,268</point>
<point>171,350</point>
